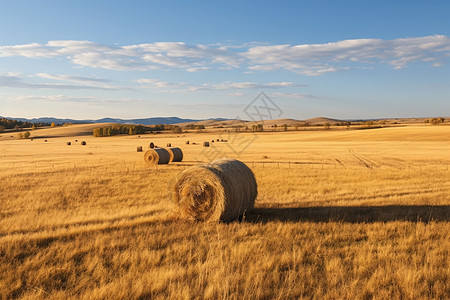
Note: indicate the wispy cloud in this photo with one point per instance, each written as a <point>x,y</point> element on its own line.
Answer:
<point>291,95</point>
<point>306,59</point>
<point>236,94</point>
<point>73,78</point>
<point>65,98</point>
<point>13,80</point>
<point>228,85</point>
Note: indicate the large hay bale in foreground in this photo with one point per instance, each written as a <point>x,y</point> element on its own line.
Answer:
<point>159,156</point>
<point>220,191</point>
<point>176,155</point>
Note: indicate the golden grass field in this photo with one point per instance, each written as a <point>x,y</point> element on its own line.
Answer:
<point>354,214</point>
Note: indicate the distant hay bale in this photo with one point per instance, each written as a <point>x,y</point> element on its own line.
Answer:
<point>68,143</point>
<point>169,145</point>
<point>83,143</point>
<point>217,140</point>
<point>212,141</point>
<point>151,146</point>
<point>45,141</point>
<point>139,149</point>
<point>76,141</point>
<point>158,156</point>
<point>187,142</point>
<point>220,191</point>
<point>176,155</point>
<point>205,144</point>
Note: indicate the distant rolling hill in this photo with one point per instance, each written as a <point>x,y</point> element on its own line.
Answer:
<point>322,120</point>
<point>144,121</point>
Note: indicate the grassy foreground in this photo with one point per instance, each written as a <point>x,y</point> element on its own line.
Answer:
<point>360,215</point>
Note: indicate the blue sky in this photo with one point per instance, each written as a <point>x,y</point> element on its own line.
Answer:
<point>134,59</point>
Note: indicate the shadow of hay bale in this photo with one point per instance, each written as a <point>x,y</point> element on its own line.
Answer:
<point>352,214</point>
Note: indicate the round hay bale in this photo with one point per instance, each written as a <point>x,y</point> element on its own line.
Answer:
<point>176,155</point>
<point>205,144</point>
<point>152,145</point>
<point>45,141</point>
<point>76,141</point>
<point>187,142</point>
<point>68,143</point>
<point>212,141</point>
<point>139,149</point>
<point>83,143</point>
<point>220,191</point>
<point>218,140</point>
<point>158,156</point>
<point>169,145</point>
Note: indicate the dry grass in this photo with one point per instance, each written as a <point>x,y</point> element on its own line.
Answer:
<point>363,214</point>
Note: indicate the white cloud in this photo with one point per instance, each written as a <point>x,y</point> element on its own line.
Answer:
<point>317,59</point>
<point>132,57</point>
<point>307,59</point>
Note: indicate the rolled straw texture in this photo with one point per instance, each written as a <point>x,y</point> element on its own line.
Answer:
<point>157,156</point>
<point>176,154</point>
<point>220,191</point>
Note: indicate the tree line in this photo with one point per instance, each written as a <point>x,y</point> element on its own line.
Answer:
<point>16,124</point>
<point>133,129</point>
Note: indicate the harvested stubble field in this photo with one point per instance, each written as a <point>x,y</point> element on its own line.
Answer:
<point>339,214</point>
